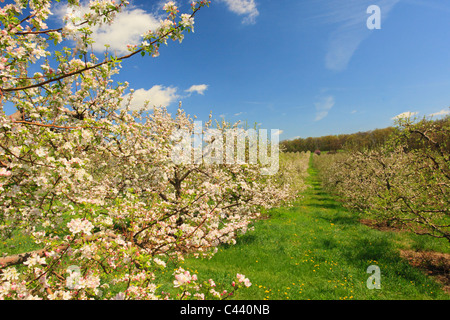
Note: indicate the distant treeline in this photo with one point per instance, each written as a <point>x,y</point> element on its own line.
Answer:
<point>367,139</point>
<point>360,140</point>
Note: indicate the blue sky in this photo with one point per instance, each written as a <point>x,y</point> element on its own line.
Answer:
<point>306,67</point>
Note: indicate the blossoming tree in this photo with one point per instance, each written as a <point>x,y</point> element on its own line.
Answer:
<point>404,183</point>
<point>93,182</point>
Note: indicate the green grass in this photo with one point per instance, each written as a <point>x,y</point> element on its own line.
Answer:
<point>318,250</point>
<point>18,243</point>
<point>313,250</point>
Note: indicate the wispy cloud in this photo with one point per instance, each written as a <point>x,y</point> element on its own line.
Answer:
<point>403,115</point>
<point>435,5</point>
<point>323,106</point>
<point>443,112</point>
<point>245,8</point>
<point>349,19</point>
<point>198,88</point>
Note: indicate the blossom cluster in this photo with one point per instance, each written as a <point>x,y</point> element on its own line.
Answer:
<point>243,279</point>
<point>192,289</point>
<point>80,226</point>
<point>92,182</point>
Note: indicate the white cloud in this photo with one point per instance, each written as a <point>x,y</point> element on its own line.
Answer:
<point>127,28</point>
<point>156,96</point>
<point>199,88</point>
<point>323,107</point>
<point>159,95</point>
<point>243,7</point>
<point>443,112</point>
<point>403,115</point>
<point>349,18</point>
<point>277,132</point>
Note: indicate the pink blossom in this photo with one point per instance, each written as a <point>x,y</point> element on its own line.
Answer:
<point>80,226</point>
<point>4,172</point>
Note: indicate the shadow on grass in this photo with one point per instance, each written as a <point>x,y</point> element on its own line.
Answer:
<point>247,239</point>
<point>341,218</point>
<point>324,205</point>
<point>322,200</point>
<point>360,248</point>
<point>369,248</point>
<point>319,199</point>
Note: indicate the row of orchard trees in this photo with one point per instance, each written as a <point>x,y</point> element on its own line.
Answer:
<point>404,182</point>
<point>293,170</point>
<point>92,182</point>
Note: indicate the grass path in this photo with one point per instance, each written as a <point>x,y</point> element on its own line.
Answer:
<point>318,250</point>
